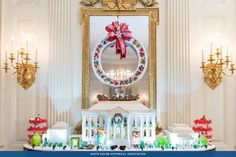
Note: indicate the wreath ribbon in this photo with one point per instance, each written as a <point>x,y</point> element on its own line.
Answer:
<point>119,32</point>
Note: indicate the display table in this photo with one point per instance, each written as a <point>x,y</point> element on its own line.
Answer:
<point>28,147</point>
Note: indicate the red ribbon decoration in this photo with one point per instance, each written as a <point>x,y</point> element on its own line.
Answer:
<point>119,32</point>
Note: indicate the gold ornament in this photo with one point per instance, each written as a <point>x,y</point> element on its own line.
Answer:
<point>26,75</point>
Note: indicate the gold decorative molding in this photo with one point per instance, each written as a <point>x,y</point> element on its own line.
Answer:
<point>89,2</point>
<point>85,13</point>
<point>83,16</point>
<point>148,3</point>
<point>120,5</point>
<point>26,75</point>
<point>212,75</point>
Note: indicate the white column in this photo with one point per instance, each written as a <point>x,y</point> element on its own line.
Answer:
<point>153,127</point>
<point>60,62</point>
<point>114,131</point>
<point>147,129</point>
<point>122,130</point>
<point>108,125</point>
<point>95,125</point>
<point>90,128</point>
<point>83,127</point>
<point>178,66</point>
<point>141,127</point>
<point>128,127</point>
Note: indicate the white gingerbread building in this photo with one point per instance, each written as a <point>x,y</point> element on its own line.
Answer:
<point>119,120</point>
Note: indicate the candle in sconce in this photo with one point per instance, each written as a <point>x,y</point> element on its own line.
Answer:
<point>6,51</point>
<point>202,55</point>
<point>227,50</point>
<point>12,43</point>
<point>221,51</point>
<point>27,45</point>
<point>211,48</point>
<point>18,51</point>
<point>36,54</point>
<point>231,57</point>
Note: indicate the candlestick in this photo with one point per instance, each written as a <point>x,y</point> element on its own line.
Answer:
<point>231,58</point>
<point>227,50</point>
<point>17,55</point>
<point>27,44</point>
<point>36,54</point>
<point>202,55</point>
<point>12,44</point>
<point>211,48</point>
<point>6,51</point>
<point>221,51</point>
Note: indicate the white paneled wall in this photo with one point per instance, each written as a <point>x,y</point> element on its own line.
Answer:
<point>56,94</point>
<point>18,105</point>
<point>207,18</point>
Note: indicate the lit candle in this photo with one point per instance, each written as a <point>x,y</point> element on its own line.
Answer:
<point>231,57</point>
<point>6,51</point>
<point>36,54</point>
<point>27,44</point>
<point>18,49</point>
<point>12,43</point>
<point>221,51</point>
<point>227,50</point>
<point>211,48</point>
<point>202,55</point>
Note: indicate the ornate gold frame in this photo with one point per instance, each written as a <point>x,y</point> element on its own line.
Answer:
<point>85,13</point>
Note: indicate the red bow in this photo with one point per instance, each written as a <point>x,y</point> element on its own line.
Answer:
<point>119,32</point>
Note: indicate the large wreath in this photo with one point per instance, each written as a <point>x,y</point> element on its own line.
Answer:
<point>101,75</point>
<point>118,118</point>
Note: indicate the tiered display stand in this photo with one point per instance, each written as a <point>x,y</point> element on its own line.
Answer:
<point>38,125</point>
<point>203,127</point>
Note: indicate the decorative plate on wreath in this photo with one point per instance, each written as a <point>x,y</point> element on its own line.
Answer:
<point>117,39</point>
<point>118,118</point>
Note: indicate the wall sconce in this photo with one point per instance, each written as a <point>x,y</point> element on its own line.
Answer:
<point>24,69</point>
<point>216,66</point>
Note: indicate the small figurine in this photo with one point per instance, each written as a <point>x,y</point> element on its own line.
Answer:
<point>122,147</point>
<point>113,147</point>
<point>162,148</point>
<point>64,147</point>
<point>136,138</point>
<point>54,146</point>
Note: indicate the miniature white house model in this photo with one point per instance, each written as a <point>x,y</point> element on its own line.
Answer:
<point>182,135</point>
<point>122,122</point>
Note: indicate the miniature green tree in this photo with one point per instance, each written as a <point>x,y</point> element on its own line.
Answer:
<point>142,145</point>
<point>203,141</point>
<point>162,141</point>
<point>36,140</point>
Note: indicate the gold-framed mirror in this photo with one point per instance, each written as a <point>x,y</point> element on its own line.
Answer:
<point>92,30</point>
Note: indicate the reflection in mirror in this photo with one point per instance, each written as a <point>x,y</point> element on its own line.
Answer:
<point>117,68</point>
<point>111,63</point>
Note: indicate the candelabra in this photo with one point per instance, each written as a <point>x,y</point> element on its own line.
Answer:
<point>119,74</point>
<point>24,68</point>
<point>216,66</point>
